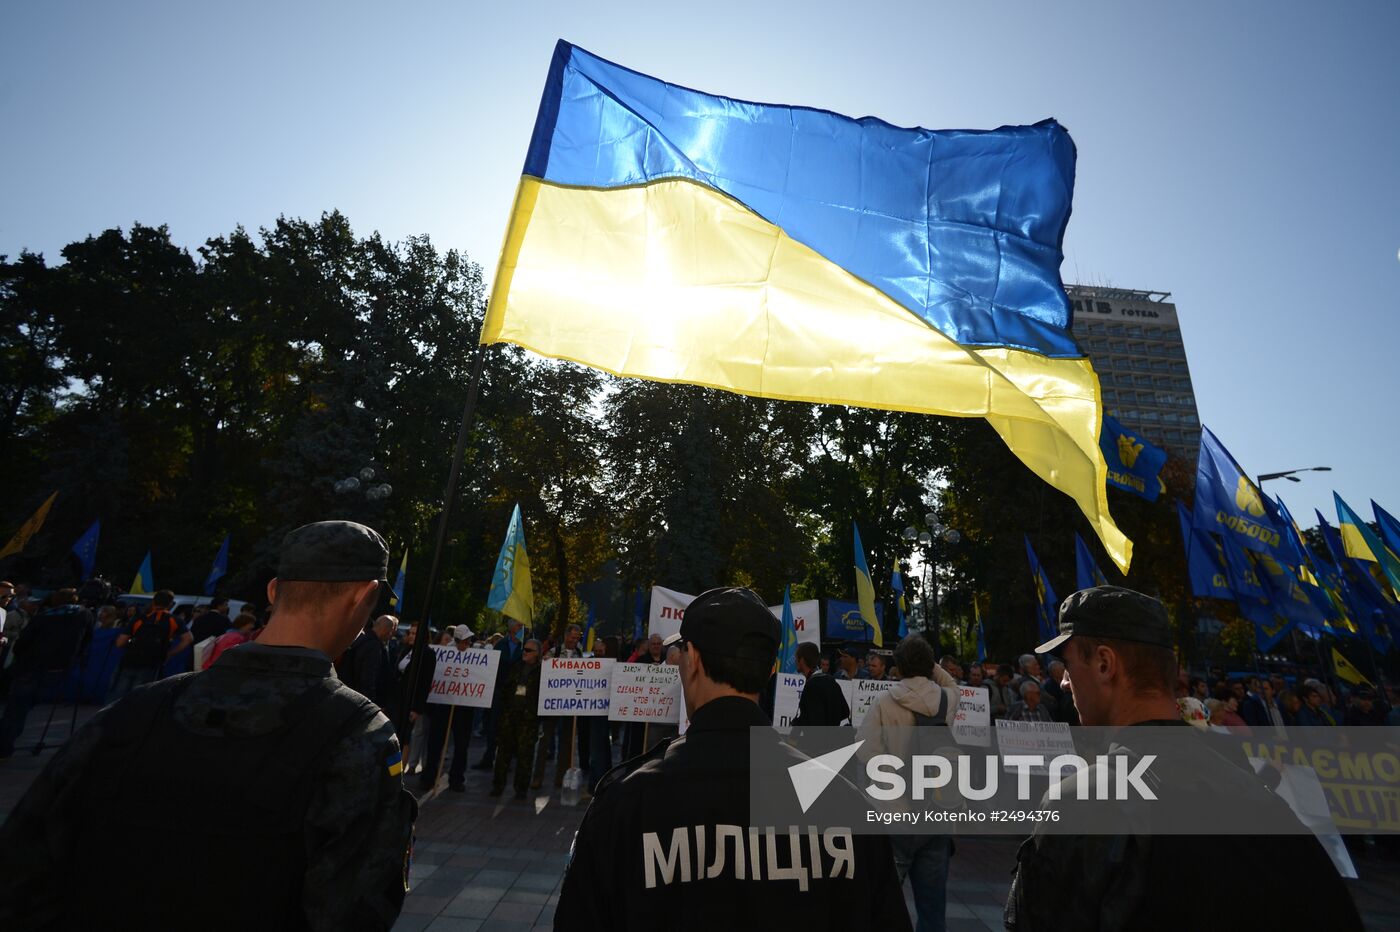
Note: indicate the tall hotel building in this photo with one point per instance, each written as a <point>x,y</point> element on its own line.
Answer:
<point>1134,341</point>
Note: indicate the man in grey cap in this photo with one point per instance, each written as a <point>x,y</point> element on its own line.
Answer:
<point>303,773</point>
<point>1120,667</point>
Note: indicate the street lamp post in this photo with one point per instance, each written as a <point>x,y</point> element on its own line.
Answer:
<point>927,539</point>
<point>1289,474</point>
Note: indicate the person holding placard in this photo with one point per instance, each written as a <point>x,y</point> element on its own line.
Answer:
<point>441,720</point>
<point>822,702</point>
<point>519,723</point>
<point>562,727</point>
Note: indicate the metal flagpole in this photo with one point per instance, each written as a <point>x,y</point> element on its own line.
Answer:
<point>422,654</point>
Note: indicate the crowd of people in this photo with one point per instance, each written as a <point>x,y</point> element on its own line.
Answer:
<point>152,636</point>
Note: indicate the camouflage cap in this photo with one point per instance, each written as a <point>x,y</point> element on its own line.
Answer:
<point>333,551</point>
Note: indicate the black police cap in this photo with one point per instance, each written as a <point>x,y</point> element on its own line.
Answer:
<point>333,551</point>
<point>1113,613</point>
<point>731,622</point>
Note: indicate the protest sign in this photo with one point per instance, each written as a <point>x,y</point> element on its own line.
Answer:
<point>645,692</point>
<point>786,699</point>
<point>575,686</point>
<point>972,723</point>
<point>464,677</point>
<point>806,620</point>
<point>1044,739</point>
<point>848,689</point>
<point>864,694</point>
<point>667,609</point>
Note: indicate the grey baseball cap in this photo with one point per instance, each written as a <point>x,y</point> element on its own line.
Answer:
<point>333,551</point>
<point>1114,613</point>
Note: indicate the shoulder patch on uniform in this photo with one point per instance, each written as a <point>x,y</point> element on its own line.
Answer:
<point>395,763</point>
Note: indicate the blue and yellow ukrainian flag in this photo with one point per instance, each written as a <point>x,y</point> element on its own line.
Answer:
<point>511,594</point>
<point>396,596</point>
<point>786,252</point>
<point>865,593</point>
<point>144,583</point>
<point>787,651</point>
<point>897,587</point>
<point>1361,543</point>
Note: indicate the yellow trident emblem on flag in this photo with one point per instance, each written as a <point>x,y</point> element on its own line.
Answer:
<point>1247,498</point>
<point>1128,449</point>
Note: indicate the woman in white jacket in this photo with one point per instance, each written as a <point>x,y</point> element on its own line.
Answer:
<point>920,693</point>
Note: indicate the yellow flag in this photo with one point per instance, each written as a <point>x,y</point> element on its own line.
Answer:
<point>28,529</point>
<point>1346,671</point>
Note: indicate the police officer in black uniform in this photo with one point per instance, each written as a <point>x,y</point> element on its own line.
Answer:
<point>669,842</point>
<point>1119,665</point>
<point>264,765</point>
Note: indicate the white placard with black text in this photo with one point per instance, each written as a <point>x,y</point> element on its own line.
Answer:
<point>576,686</point>
<point>645,692</point>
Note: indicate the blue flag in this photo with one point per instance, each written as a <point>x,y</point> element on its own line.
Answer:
<point>1087,572</point>
<point>844,621</point>
<point>1227,501</point>
<point>897,587</point>
<point>1134,464</point>
<point>397,599</point>
<point>1205,561</point>
<point>1390,527</point>
<point>1046,605</point>
<point>787,650</point>
<point>219,569</point>
<point>1375,614</point>
<point>86,549</point>
<point>1309,576</point>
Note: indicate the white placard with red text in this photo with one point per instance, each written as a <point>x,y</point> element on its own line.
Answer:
<point>806,618</point>
<point>972,723</point>
<point>667,607</point>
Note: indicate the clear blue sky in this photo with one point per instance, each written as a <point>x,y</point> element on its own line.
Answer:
<point>1244,156</point>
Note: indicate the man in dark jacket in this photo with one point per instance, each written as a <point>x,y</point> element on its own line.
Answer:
<point>45,649</point>
<point>367,668</point>
<point>822,702</point>
<point>662,844</point>
<point>303,775</point>
<point>1117,647</point>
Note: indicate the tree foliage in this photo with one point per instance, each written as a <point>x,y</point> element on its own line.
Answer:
<point>183,396</point>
